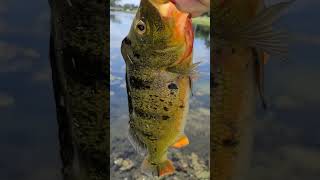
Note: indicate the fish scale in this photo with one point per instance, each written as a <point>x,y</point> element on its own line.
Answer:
<point>142,101</point>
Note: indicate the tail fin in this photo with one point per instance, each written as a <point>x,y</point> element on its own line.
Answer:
<point>163,169</point>
<point>181,142</point>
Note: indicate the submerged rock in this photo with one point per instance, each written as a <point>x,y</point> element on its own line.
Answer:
<point>124,164</point>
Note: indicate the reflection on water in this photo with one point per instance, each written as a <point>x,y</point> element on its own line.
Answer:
<point>197,127</point>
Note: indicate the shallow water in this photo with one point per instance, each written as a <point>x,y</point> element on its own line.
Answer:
<point>29,145</point>
<point>287,140</point>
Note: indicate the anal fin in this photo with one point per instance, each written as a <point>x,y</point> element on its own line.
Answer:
<point>181,142</point>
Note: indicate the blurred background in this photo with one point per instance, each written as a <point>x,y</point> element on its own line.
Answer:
<point>287,140</point>
<point>192,161</point>
<point>28,133</point>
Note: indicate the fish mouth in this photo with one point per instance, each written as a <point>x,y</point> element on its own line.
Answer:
<point>127,52</point>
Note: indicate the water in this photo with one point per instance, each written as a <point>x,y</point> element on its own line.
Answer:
<point>28,140</point>
<point>287,140</point>
<point>197,128</point>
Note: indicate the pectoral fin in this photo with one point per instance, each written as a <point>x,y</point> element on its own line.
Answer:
<point>190,72</point>
<point>181,142</point>
<point>259,33</point>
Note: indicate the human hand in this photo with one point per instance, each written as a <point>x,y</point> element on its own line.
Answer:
<point>194,7</point>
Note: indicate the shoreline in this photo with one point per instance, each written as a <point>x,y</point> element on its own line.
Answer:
<point>202,21</point>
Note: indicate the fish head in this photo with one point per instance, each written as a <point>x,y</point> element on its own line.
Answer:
<point>160,36</point>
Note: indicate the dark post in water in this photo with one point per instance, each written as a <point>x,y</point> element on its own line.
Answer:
<point>79,46</point>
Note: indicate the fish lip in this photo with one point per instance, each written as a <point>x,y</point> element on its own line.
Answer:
<point>126,49</point>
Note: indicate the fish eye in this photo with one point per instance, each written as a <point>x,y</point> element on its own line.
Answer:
<point>141,27</point>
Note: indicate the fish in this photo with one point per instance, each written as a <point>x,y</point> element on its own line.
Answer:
<point>244,38</point>
<point>158,55</point>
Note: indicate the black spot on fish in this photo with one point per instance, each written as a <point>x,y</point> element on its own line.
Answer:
<point>161,100</point>
<point>165,117</point>
<point>137,83</point>
<point>172,86</point>
<point>170,103</point>
<point>172,93</point>
<point>181,106</point>
<point>136,55</point>
<point>165,108</point>
<point>146,115</point>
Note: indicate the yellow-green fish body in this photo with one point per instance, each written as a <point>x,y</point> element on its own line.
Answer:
<point>158,56</point>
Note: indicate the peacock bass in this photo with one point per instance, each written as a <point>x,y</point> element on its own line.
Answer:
<point>243,38</point>
<point>158,56</point>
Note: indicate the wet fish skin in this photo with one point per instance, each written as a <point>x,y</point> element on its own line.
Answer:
<point>158,56</point>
